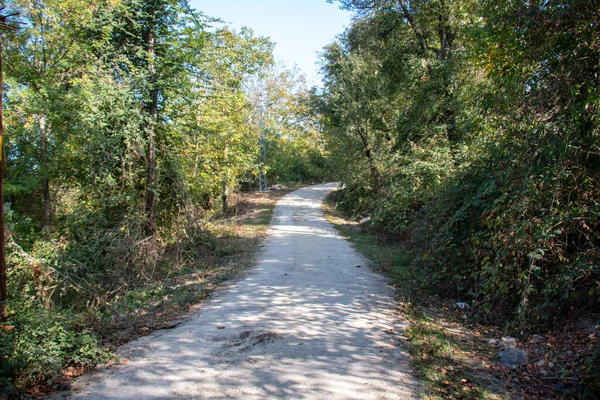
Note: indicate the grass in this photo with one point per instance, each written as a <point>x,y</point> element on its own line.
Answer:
<point>444,362</point>
<point>448,356</point>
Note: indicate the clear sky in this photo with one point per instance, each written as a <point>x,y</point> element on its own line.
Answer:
<point>300,28</point>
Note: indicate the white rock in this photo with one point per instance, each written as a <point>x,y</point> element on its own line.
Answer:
<point>508,342</point>
<point>540,363</point>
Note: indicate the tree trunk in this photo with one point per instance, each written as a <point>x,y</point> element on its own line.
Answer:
<point>444,31</point>
<point>151,129</point>
<point>47,203</point>
<point>197,160</point>
<point>421,40</point>
<point>225,194</point>
<point>47,216</point>
<point>375,175</point>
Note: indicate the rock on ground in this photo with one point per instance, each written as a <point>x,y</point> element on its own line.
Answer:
<point>513,357</point>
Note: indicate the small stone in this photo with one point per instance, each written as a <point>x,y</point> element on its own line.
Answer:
<point>540,363</point>
<point>536,339</point>
<point>513,357</point>
<point>508,343</point>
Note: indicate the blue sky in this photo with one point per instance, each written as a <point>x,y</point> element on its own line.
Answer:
<point>300,28</point>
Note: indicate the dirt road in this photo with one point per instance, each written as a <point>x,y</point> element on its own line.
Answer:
<point>305,323</point>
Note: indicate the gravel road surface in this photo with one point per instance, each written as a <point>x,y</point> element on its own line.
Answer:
<point>309,321</point>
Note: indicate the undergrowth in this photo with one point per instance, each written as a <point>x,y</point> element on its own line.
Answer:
<point>67,315</point>
<point>440,360</point>
<point>450,348</point>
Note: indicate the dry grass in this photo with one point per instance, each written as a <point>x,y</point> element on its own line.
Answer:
<point>235,239</point>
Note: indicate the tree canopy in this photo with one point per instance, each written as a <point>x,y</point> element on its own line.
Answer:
<point>472,129</point>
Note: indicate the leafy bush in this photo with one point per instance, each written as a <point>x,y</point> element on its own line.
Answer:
<point>482,150</point>
<point>43,345</point>
<point>47,343</point>
<point>41,340</point>
<point>521,238</point>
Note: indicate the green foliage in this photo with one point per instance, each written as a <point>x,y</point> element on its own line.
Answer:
<point>295,148</point>
<point>480,122</point>
<point>527,228</point>
<point>44,344</point>
<point>126,120</point>
<point>592,376</point>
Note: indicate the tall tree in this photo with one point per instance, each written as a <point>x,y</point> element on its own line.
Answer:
<point>353,90</point>
<point>431,22</point>
<point>295,150</point>
<point>42,61</point>
<point>221,131</point>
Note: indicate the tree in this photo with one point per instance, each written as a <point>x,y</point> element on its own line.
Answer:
<point>157,39</point>
<point>431,22</point>
<point>42,60</point>
<point>353,91</point>
<point>485,141</point>
<point>221,136</point>
<point>294,145</point>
